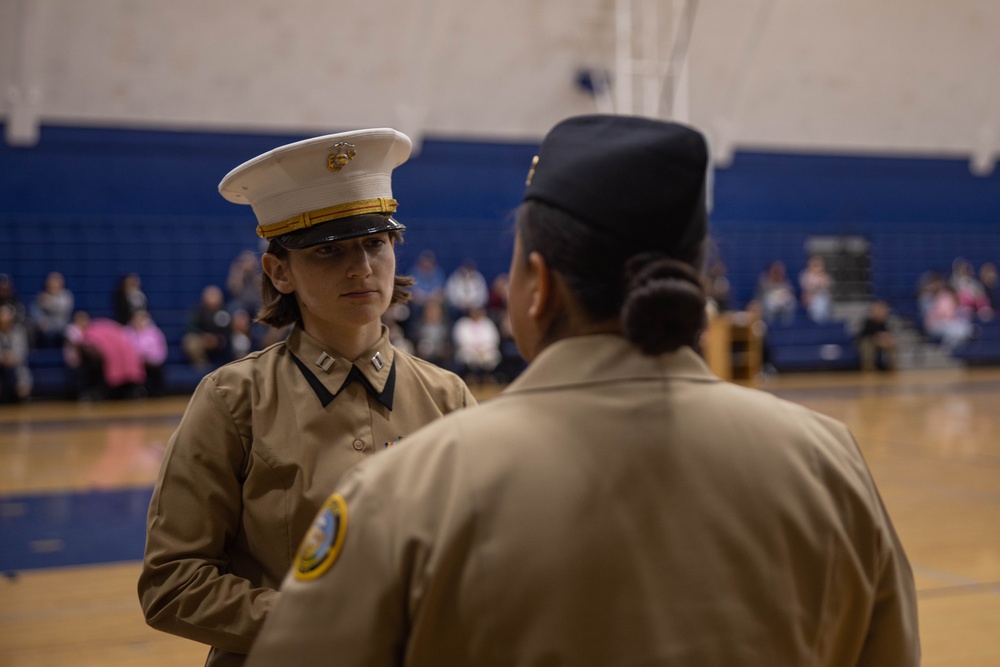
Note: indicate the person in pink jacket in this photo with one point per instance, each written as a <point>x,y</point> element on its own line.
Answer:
<point>149,341</point>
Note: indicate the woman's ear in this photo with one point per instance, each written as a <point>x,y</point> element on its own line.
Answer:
<point>277,270</point>
<point>541,295</point>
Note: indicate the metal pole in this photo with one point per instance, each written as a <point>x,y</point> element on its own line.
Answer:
<point>623,57</point>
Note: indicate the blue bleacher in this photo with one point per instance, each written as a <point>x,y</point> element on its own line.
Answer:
<point>804,345</point>
<point>984,348</point>
<point>51,378</point>
<point>152,206</point>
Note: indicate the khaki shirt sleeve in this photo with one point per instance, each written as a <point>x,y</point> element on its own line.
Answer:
<point>357,609</point>
<point>893,635</point>
<point>468,400</point>
<point>195,512</point>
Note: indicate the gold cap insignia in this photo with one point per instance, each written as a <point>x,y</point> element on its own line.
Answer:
<point>531,171</point>
<point>343,153</point>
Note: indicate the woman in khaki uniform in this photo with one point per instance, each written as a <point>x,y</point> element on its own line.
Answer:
<point>618,504</point>
<point>265,438</point>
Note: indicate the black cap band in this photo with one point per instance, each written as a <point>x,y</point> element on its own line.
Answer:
<point>339,230</point>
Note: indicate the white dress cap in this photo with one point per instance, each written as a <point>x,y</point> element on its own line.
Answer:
<point>319,180</point>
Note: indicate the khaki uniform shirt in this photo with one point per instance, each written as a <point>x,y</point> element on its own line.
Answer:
<point>263,442</point>
<point>608,509</point>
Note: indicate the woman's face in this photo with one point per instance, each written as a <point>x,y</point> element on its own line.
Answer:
<point>340,286</point>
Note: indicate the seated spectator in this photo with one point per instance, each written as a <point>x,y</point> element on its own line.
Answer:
<point>465,289</point>
<point>876,341</point>
<point>927,288</point>
<point>496,304</point>
<point>717,287</point>
<point>432,338</point>
<point>991,288</point>
<point>758,326</point>
<point>393,319</point>
<point>128,298</point>
<point>206,342</point>
<point>82,360</point>
<point>945,319</point>
<point>241,335</point>
<point>106,342</point>
<point>8,297</point>
<point>776,295</point>
<point>397,318</point>
<point>51,311</point>
<point>428,285</point>
<point>243,283</point>
<point>151,344</point>
<point>816,286</point>
<point>15,376</point>
<point>969,292</point>
<point>477,346</point>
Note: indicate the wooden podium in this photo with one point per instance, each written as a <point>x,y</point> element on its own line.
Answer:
<point>732,346</point>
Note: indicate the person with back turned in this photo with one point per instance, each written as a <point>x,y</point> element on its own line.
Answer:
<point>617,504</point>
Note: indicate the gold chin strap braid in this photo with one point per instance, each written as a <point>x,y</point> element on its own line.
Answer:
<point>305,220</point>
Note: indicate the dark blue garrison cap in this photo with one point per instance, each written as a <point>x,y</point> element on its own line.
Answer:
<point>636,178</point>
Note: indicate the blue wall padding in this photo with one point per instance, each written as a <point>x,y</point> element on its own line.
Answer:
<point>96,203</point>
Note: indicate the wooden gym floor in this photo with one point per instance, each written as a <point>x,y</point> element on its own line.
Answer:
<point>75,480</point>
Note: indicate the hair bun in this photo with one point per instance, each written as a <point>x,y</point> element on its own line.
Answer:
<point>664,303</point>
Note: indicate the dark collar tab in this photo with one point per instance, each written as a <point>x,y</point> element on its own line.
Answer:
<point>387,394</point>
<point>326,397</point>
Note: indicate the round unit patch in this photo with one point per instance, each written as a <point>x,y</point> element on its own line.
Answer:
<point>324,540</point>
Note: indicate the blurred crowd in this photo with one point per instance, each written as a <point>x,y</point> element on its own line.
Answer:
<point>457,320</point>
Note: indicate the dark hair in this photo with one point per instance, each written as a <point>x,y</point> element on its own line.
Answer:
<point>279,310</point>
<point>659,300</point>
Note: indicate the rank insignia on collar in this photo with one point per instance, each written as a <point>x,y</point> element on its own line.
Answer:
<point>324,361</point>
<point>377,361</point>
<point>323,542</point>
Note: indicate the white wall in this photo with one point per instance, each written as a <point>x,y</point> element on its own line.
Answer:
<point>900,76</point>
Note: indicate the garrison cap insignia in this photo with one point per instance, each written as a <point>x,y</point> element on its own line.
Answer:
<point>531,171</point>
<point>343,153</point>
<point>323,542</point>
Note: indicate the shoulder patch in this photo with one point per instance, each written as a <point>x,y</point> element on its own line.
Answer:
<point>323,542</point>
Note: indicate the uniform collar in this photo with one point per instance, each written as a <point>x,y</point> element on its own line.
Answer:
<point>594,359</point>
<point>328,373</point>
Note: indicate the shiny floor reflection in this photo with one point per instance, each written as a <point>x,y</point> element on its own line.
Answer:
<point>53,530</point>
<point>75,482</point>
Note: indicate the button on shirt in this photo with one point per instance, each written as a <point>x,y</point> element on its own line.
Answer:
<point>261,445</point>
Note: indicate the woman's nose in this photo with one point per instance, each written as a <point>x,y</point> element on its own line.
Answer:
<point>359,264</point>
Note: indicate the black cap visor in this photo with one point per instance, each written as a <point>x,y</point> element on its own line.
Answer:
<point>339,230</point>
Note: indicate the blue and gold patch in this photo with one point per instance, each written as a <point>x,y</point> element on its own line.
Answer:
<point>324,540</point>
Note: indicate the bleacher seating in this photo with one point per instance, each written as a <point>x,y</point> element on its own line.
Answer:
<point>146,201</point>
<point>984,348</point>
<point>804,345</point>
<point>51,378</point>
<point>49,374</point>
